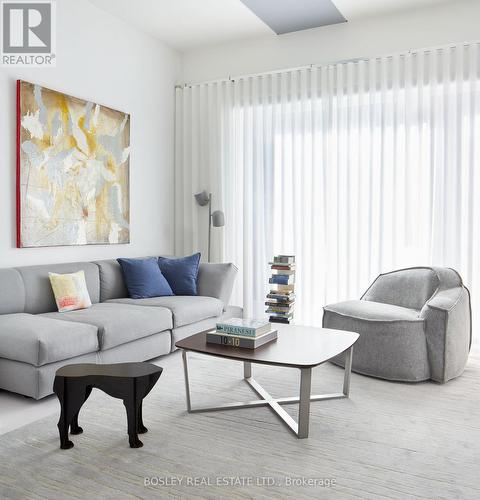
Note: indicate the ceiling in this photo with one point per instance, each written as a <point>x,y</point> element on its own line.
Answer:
<point>188,24</point>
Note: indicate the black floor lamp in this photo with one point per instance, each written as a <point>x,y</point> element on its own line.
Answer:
<point>215,219</point>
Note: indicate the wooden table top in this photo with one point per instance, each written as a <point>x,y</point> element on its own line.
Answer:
<point>296,346</point>
<point>123,370</point>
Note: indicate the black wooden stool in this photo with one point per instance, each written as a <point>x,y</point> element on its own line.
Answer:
<point>130,382</point>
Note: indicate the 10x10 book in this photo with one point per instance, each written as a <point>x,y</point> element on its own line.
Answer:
<point>215,337</point>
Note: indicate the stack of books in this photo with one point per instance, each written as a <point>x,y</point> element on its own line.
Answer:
<point>281,299</point>
<point>239,332</point>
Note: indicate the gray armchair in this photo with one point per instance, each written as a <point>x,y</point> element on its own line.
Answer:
<point>414,324</point>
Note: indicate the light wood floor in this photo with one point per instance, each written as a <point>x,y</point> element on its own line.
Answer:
<point>389,440</point>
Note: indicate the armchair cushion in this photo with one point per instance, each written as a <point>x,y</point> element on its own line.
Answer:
<point>372,311</point>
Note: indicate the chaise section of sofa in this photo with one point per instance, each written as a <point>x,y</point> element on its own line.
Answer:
<point>36,340</point>
<point>33,347</point>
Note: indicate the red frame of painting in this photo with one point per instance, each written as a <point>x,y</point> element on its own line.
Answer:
<point>19,215</point>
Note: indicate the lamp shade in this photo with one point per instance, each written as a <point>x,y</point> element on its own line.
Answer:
<point>218,218</point>
<point>202,198</point>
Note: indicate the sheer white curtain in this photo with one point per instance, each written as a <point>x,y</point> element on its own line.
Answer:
<point>356,168</point>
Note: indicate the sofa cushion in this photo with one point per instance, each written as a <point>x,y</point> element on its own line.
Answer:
<point>39,295</point>
<point>38,340</point>
<point>12,292</point>
<point>112,284</point>
<point>120,323</point>
<point>185,309</point>
<point>373,311</point>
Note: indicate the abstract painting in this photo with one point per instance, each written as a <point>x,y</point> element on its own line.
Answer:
<point>73,162</point>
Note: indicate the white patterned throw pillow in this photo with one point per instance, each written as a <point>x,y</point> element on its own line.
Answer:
<point>70,291</point>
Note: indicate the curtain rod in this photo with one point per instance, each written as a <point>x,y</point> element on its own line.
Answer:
<point>320,65</point>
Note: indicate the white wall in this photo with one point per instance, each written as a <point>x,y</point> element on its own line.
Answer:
<point>454,22</point>
<point>102,59</point>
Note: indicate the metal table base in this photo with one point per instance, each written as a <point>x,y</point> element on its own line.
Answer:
<point>300,428</point>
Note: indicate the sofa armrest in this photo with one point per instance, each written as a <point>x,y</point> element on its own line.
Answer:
<point>448,332</point>
<point>216,280</point>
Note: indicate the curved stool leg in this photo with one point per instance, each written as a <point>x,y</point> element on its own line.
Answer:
<point>140,427</point>
<point>132,404</point>
<point>132,420</point>
<point>74,427</point>
<point>60,390</point>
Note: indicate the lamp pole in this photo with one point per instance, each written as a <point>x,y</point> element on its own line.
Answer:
<point>209,223</point>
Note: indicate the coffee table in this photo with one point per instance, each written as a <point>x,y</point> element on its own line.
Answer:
<point>299,347</point>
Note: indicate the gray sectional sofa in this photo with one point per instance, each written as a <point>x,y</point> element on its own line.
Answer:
<point>36,340</point>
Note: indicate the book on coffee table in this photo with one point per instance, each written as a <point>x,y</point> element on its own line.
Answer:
<point>216,337</point>
<point>244,326</point>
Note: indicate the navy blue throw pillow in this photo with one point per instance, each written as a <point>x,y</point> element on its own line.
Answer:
<point>144,278</point>
<point>181,273</point>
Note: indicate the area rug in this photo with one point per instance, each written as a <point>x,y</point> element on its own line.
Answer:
<point>389,440</point>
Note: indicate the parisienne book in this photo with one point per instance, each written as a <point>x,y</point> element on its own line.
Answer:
<point>243,326</point>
